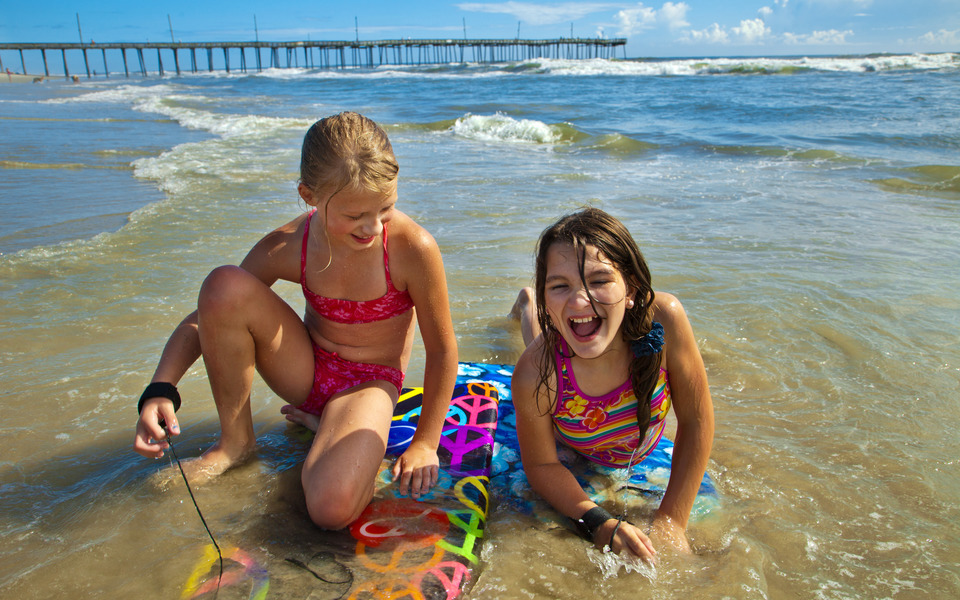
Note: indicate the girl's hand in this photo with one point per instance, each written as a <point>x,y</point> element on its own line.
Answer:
<point>626,537</point>
<point>669,532</point>
<point>151,436</point>
<point>418,469</point>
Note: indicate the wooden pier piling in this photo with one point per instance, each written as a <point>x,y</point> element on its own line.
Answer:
<point>334,54</point>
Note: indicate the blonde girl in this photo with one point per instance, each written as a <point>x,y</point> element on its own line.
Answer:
<point>341,365</point>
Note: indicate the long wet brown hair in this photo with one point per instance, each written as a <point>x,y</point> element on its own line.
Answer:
<point>594,227</point>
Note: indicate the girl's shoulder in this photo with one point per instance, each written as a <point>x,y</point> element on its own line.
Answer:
<point>680,343</point>
<point>526,384</point>
<point>414,254</point>
<point>277,254</point>
<point>668,310</point>
<point>288,236</point>
<point>406,235</point>
<point>528,365</point>
<point>293,229</point>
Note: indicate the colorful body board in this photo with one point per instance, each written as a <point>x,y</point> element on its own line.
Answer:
<point>402,549</point>
<point>399,548</point>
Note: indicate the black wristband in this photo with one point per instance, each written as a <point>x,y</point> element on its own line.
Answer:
<point>591,520</point>
<point>160,389</point>
<point>614,534</point>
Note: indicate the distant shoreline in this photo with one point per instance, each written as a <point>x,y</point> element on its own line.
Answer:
<point>18,78</point>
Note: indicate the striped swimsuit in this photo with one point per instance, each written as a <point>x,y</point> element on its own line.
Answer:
<point>604,429</point>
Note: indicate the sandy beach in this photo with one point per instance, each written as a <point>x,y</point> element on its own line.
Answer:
<point>20,78</point>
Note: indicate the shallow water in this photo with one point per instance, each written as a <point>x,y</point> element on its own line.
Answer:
<point>806,219</point>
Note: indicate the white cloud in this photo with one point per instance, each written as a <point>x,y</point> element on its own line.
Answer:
<point>674,14</point>
<point>765,11</point>
<point>632,20</point>
<point>541,14</point>
<point>711,35</point>
<point>942,37</point>
<point>818,38</point>
<point>831,36</point>
<point>671,14</point>
<point>752,31</point>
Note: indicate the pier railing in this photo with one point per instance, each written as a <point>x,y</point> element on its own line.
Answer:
<point>246,56</point>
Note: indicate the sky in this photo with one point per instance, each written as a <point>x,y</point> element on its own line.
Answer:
<point>705,28</point>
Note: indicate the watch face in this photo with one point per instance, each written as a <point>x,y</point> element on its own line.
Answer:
<point>582,529</point>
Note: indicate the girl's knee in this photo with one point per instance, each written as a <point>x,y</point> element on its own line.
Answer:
<point>335,506</point>
<point>224,288</point>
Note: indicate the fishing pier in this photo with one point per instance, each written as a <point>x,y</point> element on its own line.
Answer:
<point>168,57</point>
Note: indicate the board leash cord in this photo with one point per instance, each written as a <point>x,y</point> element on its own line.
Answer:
<point>199,513</point>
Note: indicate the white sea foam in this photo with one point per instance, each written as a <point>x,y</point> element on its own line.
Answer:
<point>499,127</point>
<point>234,160</point>
<point>223,125</point>
<point>719,66</point>
<point>235,157</point>
<point>180,104</point>
<point>124,94</point>
<point>235,153</point>
<point>610,564</point>
<point>542,66</point>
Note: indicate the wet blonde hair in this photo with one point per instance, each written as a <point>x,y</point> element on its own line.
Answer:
<point>347,151</point>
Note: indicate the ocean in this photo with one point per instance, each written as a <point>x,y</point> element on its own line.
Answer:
<point>806,212</point>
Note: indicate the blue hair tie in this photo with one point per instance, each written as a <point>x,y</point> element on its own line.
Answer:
<point>652,343</point>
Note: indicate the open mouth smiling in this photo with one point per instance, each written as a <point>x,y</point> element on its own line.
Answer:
<point>584,327</point>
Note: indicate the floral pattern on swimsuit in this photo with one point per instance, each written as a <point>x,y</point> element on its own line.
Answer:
<point>604,429</point>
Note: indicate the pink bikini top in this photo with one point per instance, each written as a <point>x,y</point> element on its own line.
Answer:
<point>391,304</point>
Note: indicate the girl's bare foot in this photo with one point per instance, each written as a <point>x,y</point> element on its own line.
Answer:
<point>295,415</point>
<point>525,310</point>
<point>215,461</point>
<point>201,469</point>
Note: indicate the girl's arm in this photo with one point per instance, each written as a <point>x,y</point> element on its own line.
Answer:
<point>181,351</point>
<point>418,467</point>
<point>268,260</point>
<point>694,410</point>
<point>547,475</point>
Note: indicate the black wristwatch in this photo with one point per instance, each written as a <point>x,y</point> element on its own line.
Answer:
<point>591,520</point>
